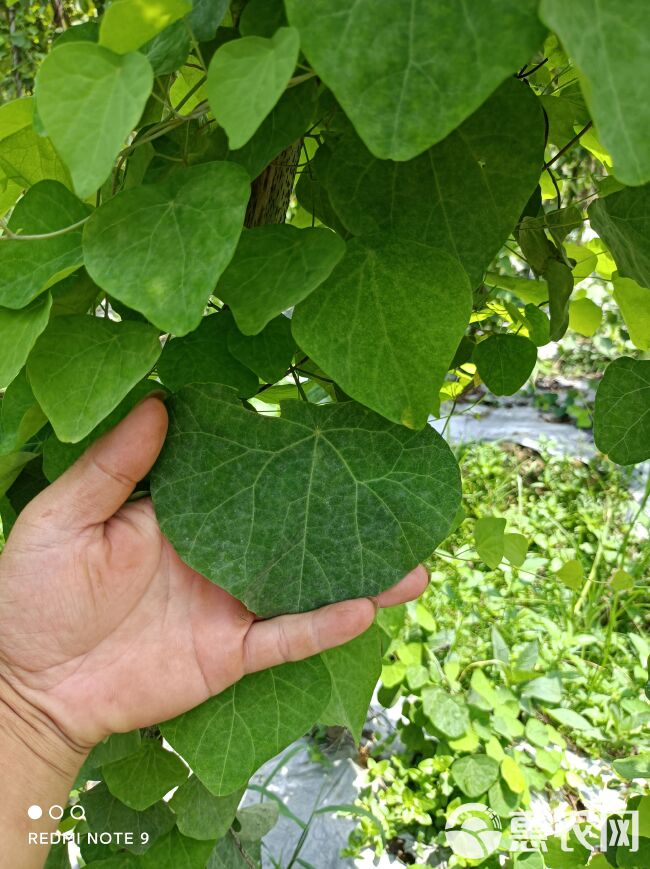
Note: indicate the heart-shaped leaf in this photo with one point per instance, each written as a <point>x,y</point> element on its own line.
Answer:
<point>366,325</point>
<point>175,238</point>
<point>505,362</point>
<point>405,77</point>
<point>456,196</point>
<point>274,268</point>
<point>246,78</point>
<point>82,367</point>
<point>325,503</point>
<point>89,99</point>
<point>622,220</point>
<point>228,737</point>
<point>475,774</point>
<point>622,411</point>
<point>27,267</point>
<point>142,778</point>
<point>268,354</point>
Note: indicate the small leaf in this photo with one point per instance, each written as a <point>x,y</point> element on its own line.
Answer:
<point>622,581</point>
<point>391,497</point>
<point>622,220</point>
<point>175,239</point>
<point>274,268</point>
<point>514,777</point>
<point>622,411</point>
<point>89,100</point>
<point>202,815</point>
<point>634,302</point>
<point>500,648</point>
<point>505,362</point>
<point>18,333</point>
<point>571,574</point>
<point>141,779</point>
<point>475,774</point>
<point>630,768</point>
<point>229,736</point>
<point>585,317</point>
<point>538,324</point>
<point>502,800</point>
<point>537,733</point>
<point>203,356</point>
<point>448,715</point>
<point>26,157</point>
<point>269,353</point>
<point>20,415</point>
<point>361,325</point>
<point>570,718</point>
<point>256,821</point>
<point>489,539</point>
<point>27,268</point>
<point>559,279</point>
<point>82,367</point>
<point>246,78</point>
<point>128,24</point>
<point>546,688</point>
<point>515,548</point>
<point>528,656</point>
<point>354,670</point>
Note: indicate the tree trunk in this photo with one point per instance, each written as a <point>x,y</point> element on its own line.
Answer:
<point>271,191</point>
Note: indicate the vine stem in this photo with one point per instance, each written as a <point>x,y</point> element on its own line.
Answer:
<point>569,144</point>
<point>13,236</point>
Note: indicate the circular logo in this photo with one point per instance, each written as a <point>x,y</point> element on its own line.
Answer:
<point>473,831</point>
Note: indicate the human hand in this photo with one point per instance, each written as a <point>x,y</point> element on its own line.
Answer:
<point>104,629</point>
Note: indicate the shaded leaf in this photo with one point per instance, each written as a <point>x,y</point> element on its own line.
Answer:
<point>622,411</point>
<point>269,353</point>
<point>622,220</point>
<point>488,539</point>
<point>26,157</point>
<point>634,302</point>
<point>448,715</point>
<point>202,815</point>
<point>475,774</point>
<point>18,333</point>
<point>142,778</point>
<point>505,362</point>
<point>106,814</point>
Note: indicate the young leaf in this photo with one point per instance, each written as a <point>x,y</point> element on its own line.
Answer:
<point>20,415</point>
<point>514,777</point>
<point>201,815</point>
<point>488,539</point>
<point>572,574</point>
<point>246,78</point>
<point>475,774</point>
<point>500,648</point>
<point>26,157</point>
<point>106,814</point>
<point>621,581</point>
<point>622,411</point>
<point>622,220</point>
<point>559,279</point>
<point>634,302</point>
<point>505,362</point>
<point>354,669</point>
<point>141,779</point>
<point>502,800</point>
<point>128,24</point>
<point>515,547</point>
<point>366,323</point>
<point>89,99</point>
<point>417,62</point>
<point>412,199</point>
<point>229,736</point>
<point>82,367</point>
<point>28,267</point>
<point>274,268</point>
<point>175,238</point>
<point>256,821</point>
<point>586,316</point>
<point>448,715</point>
<point>538,325</point>
<point>391,496</point>
<point>633,767</point>
<point>203,357</point>
<point>609,44</point>
<point>269,353</point>
<point>18,333</point>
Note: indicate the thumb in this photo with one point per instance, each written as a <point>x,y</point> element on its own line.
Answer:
<point>101,480</point>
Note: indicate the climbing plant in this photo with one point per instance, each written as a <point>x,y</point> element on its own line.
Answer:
<point>311,222</point>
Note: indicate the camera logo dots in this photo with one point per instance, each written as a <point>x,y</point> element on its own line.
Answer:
<point>35,812</point>
<point>55,812</point>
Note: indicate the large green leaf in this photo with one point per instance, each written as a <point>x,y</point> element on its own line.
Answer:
<point>325,503</point>
<point>408,75</point>
<point>505,362</point>
<point>457,195</point>
<point>203,357</point>
<point>128,24</point>
<point>448,715</point>
<point>386,324</point>
<point>174,240</point>
<point>622,220</point>
<point>27,267</point>
<point>246,78</point>
<point>82,367</point>
<point>274,268</point>
<point>354,669</point>
<point>268,354</point>
<point>475,774</point>
<point>202,815</point>
<point>26,157</point>
<point>634,303</point>
<point>106,814</point>
<point>89,99</point>
<point>18,333</point>
<point>609,43</point>
<point>140,779</point>
<point>622,411</point>
<point>229,736</point>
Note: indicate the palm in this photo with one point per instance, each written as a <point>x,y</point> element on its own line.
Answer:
<point>106,629</point>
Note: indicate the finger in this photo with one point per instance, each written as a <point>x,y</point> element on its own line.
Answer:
<point>406,589</point>
<point>99,482</point>
<point>294,637</point>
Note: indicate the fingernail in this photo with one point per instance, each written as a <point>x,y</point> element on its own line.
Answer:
<point>155,393</point>
<point>375,603</point>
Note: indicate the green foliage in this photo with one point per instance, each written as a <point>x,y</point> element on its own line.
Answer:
<point>175,178</point>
